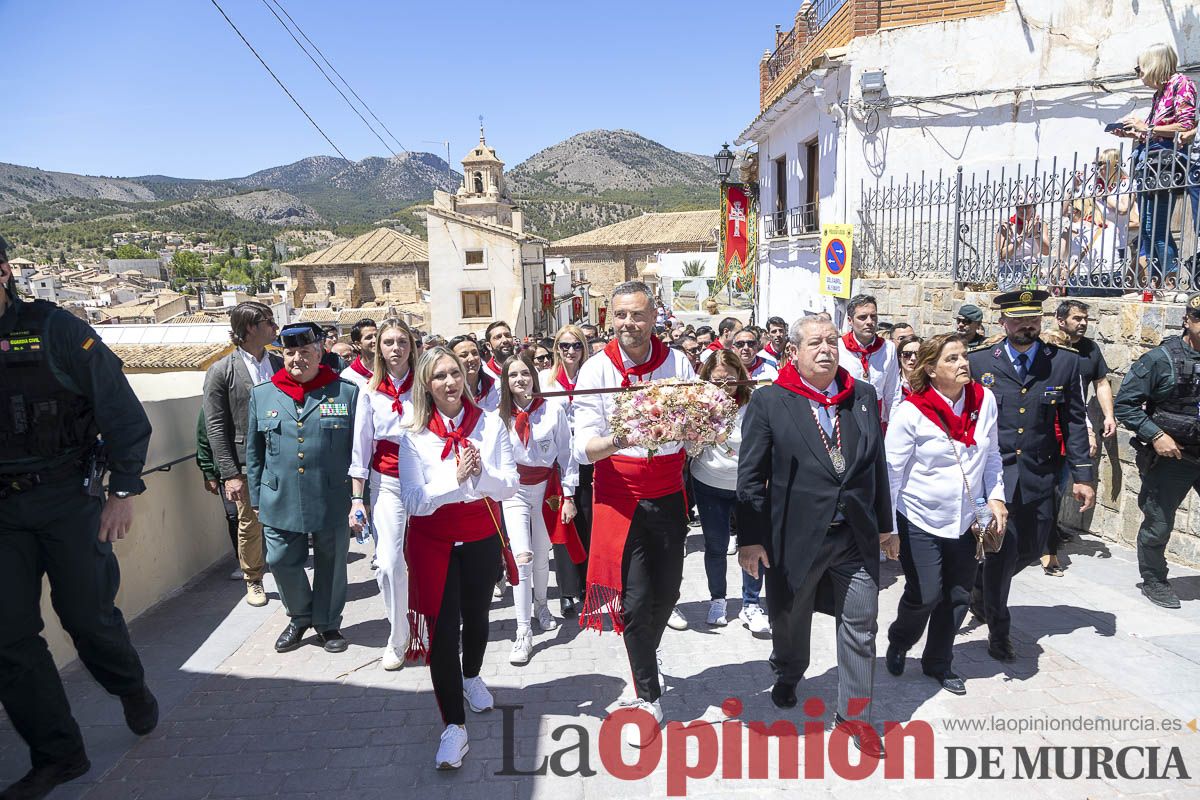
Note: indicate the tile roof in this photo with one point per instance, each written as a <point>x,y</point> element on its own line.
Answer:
<point>380,246</point>
<point>649,230</point>
<point>196,319</point>
<point>170,356</point>
<point>483,224</point>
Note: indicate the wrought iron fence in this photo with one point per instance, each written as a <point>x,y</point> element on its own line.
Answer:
<point>1115,223</point>
<point>775,225</point>
<point>785,51</point>
<point>798,220</point>
<point>819,13</point>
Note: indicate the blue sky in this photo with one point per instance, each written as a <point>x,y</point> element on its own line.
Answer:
<point>134,87</point>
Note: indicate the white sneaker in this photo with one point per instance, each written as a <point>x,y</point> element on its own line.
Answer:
<point>755,619</point>
<point>452,747</point>
<point>543,617</point>
<point>237,575</point>
<point>392,660</point>
<point>476,693</point>
<point>716,613</point>
<point>498,592</point>
<point>522,648</point>
<point>732,546</point>
<point>632,734</point>
<point>676,621</point>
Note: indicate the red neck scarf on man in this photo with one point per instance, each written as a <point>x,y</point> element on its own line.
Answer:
<point>715,344</point>
<point>358,366</point>
<point>295,390</point>
<point>789,378</point>
<point>658,356</point>
<point>389,387</point>
<point>493,366</point>
<point>456,438</point>
<point>863,353</point>
<point>485,386</point>
<point>770,348</point>
<point>521,419</point>
<point>960,427</point>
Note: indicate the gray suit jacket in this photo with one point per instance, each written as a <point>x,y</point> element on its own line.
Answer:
<point>227,386</point>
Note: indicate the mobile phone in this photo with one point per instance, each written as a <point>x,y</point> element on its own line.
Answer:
<point>1113,127</point>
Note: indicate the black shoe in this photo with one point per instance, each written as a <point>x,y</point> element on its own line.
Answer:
<point>141,711</point>
<point>40,781</point>
<point>1065,536</point>
<point>291,638</point>
<point>783,695</point>
<point>949,681</point>
<point>566,606</point>
<point>872,747</point>
<point>895,660</point>
<point>333,640</point>
<point>1160,593</point>
<point>1002,650</point>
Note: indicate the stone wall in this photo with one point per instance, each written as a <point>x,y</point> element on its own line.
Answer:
<point>1125,329</point>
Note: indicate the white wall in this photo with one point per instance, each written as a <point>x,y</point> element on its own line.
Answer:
<point>448,276</point>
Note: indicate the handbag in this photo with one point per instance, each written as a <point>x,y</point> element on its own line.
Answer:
<point>510,561</point>
<point>988,538</point>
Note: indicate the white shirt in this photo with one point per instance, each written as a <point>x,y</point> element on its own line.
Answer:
<point>549,442</point>
<point>766,372</point>
<point>770,359</point>
<point>260,370</point>
<point>427,482</point>
<point>549,384</point>
<point>375,420</point>
<point>491,400</point>
<point>593,411</point>
<point>357,379</point>
<point>927,486</point>
<point>717,464</point>
<point>884,374</point>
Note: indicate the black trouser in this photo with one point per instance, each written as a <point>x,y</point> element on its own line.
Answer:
<point>466,600</point>
<point>1025,536</point>
<point>52,530</point>
<point>651,571</point>
<point>1164,487</point>
<point>938,575</point>
<point>231,517</point>
<point>572,577</point>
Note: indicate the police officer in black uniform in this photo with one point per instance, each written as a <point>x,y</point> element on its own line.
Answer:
<point>1034,383</point>
<point>66,414</point>
<point>1159,401</point>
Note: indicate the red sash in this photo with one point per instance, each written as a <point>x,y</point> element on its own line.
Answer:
<point>618,484</point>
<point>427,549</point>
<point>386,458</point>
<point>565,535</point>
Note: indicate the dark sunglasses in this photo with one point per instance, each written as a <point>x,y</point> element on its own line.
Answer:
<point>566,347</point>
<point>691,351</point>
<point>1138,70</point>
<point>546,357</point>
<point>740,345</point>
<point>908,355</point>
<point>963,320</point>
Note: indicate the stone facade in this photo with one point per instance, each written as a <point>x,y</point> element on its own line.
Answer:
<point>353,286</point>
<point>1125,329</point>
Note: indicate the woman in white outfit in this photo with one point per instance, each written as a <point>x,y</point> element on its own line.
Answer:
<point>384,408</point>
<point>540,436</point>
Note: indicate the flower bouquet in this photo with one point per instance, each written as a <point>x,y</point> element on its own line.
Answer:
<point>659,412</point>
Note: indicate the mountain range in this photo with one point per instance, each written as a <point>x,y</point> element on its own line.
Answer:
<point>593,178</point>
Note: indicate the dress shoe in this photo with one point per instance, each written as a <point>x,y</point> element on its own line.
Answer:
<point>894,659</point>
<point>1002,650</point>
<point>333,641</point>
<point>1160,593</point>
<point>783,695</point>
<point>870,746</point>
<point>141,711</point>
<point>40,781</point>
<point>566,606</point>
<point>949,681</point>
<point>291,638</point>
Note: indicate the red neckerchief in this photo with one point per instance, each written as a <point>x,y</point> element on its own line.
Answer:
<point>485,386</point>
<point>771,351</point>
<point>567,385</point>
<point>456,438</point>
<point>493,366</point>
<point>758,362</point>
<point>286,384</point>
<point>789,378</point>
<point>658,357</point>
<point>863,353</point>
<point>715,344</point>
<point>521,419</point>
<point>361,368</point>
<point>960,427</point>
<point>393,391</point>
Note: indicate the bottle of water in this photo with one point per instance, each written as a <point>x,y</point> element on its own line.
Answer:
<point>983,512</point>
<point>365,531</point>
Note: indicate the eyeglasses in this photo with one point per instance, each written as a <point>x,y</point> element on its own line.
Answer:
<point>908,355</point>
<point>691,351</point>
<point>566,347</point>
<point>741,345</point>
<point>538,359</point>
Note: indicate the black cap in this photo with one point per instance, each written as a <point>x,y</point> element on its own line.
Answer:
<point>299,334</point>
<point>971,312</point>
<point>1022,303</point>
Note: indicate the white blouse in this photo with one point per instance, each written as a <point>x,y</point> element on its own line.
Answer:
<point>927,486</point>
<point>427,482</point>
<point>491,400</point>
<point>717,464</point>
<point>549,442</point>
<point>375,420</point>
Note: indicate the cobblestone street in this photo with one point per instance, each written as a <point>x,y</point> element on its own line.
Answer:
<point>238,720</point>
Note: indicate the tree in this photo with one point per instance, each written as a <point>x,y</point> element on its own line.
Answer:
<point>693,268</point>
<point>246,252</point>
<point>185,267</point>
<point>132,251</point>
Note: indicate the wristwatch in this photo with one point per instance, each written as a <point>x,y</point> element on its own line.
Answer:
<point>124,495</point>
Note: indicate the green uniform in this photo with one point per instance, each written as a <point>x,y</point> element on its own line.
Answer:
<point>59,388</point>
<point>1157,382</point>
<point>297,470</point>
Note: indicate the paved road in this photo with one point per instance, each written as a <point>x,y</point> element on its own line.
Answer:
<point>241,721</point>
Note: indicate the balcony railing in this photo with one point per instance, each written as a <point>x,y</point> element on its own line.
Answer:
<point>802,220</point>
<point>784,53</point>
<point>775,224</point>
<point>818,14</point>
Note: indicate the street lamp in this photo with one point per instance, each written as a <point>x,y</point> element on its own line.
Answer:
<point>724,159</point>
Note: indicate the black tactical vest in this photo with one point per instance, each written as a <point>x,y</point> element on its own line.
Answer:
<point>1179,413</point>
<point>40,419</point>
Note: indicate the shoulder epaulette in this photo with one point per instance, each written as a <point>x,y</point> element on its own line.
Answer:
<point>979,347</point>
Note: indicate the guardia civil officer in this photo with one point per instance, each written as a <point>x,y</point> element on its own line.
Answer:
<point>1159,401</point>
<point>67,411</point>
<point>1034,384</point>
<point>298,448</point>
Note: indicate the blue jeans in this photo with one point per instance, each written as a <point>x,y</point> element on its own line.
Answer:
<point>715,507</point>
<point>1155,242</point>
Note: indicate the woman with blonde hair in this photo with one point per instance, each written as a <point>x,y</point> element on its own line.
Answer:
<point>384,407</point>
<point>455,466</point>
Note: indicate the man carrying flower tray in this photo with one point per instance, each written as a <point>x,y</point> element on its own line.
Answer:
<point>639,522</point>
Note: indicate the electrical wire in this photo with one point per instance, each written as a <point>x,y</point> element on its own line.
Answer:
<point>329,79</point>
<point>335,72</point>
<point>276,77</point>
